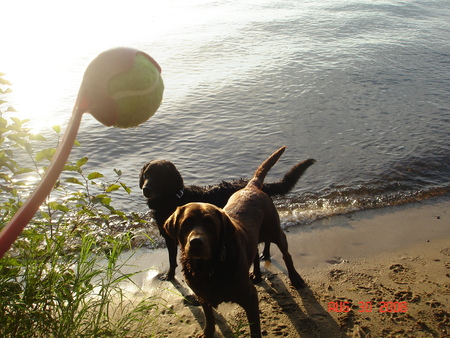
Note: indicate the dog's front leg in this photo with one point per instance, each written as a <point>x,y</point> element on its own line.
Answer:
<point>210,327</point>
<point>251,307</point>
<point>172,248</point>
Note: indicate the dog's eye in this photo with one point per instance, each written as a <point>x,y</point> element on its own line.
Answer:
<point>209,221</point>
<point>188,221</point>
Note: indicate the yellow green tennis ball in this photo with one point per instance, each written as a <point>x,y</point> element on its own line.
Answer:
<point>137,92</point>
<point>122,87</point>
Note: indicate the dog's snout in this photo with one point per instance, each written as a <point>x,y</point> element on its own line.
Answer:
<point>198,246</point>
<point>196,242</point>
<point>146,191</point>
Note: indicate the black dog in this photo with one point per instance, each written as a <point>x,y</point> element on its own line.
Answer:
<point>163,186</point>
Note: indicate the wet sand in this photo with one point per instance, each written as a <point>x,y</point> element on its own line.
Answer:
<point>374,273</point>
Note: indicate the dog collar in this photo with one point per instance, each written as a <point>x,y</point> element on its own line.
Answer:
<point>180,193</point>
<point>223,255</point>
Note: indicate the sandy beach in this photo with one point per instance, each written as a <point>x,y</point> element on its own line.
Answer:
<point>376,273</point>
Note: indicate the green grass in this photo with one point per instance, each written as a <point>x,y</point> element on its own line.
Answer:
<point>49,292</point>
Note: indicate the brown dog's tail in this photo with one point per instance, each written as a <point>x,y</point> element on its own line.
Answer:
<point>258,178</point>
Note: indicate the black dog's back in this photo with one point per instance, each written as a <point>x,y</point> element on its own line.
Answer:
<point>174,194</point>
<point>220,193</point>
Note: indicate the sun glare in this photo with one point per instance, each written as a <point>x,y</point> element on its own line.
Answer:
<point>50,43</point>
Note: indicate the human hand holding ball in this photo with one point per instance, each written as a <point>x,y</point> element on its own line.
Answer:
<point>121,87</point>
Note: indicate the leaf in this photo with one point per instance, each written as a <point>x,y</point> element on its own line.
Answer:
<point>118,172</point>
<point>73,180</point>
<point>39,156</point>
<point>5,177</point>
<point>118,212</point>
<point>23,171</point>
<point>11,109</point>
<point>113,187</point>
<point>45,215</point>
<point>45,154</point>
<point>128,190</point>
<point>94,175</point>
<point>57,206</point>
<point>82,161</point>
<point>102,198</point>
<point>106,200</point>
<point>57,129</point>
<point>37,137</point>
<point>3,81</point>
<point>70,167</point>
<point>29,148</point>
<point>16,120</point>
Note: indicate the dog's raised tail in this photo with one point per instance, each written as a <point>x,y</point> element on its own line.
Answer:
<point>260,173</point>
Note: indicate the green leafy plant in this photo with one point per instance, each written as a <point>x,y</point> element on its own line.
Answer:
<point>61,278</point>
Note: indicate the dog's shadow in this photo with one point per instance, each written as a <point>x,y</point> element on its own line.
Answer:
<point>190,300</point>
<point>310,320</point>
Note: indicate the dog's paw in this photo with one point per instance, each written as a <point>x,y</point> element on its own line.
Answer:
<point>208,332</point>
<point>166,277</point>
<point>298,281</point>
<point>265,258</point>
<point>191,300</point>
<point>255,279</point>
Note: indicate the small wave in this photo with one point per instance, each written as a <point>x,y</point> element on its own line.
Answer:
<point>406,180</point>
<point>344,200</point>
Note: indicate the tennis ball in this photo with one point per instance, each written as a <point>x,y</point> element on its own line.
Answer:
<point>122,87</point>
<point>137,92</point>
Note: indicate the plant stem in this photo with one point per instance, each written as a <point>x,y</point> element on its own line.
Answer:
<point>19,221</point>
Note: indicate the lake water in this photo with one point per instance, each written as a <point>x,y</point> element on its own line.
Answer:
<point>362,86</point>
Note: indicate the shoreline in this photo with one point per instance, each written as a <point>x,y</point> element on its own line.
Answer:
<point>381,272</point>
<point>369,232</point>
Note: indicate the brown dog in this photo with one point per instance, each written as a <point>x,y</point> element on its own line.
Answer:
<point>219,246</point>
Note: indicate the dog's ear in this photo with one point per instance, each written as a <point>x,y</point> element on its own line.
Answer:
<point>141,175</point>
<point>228,228</point>
<point>173,176</point>
<point>172,224</point>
